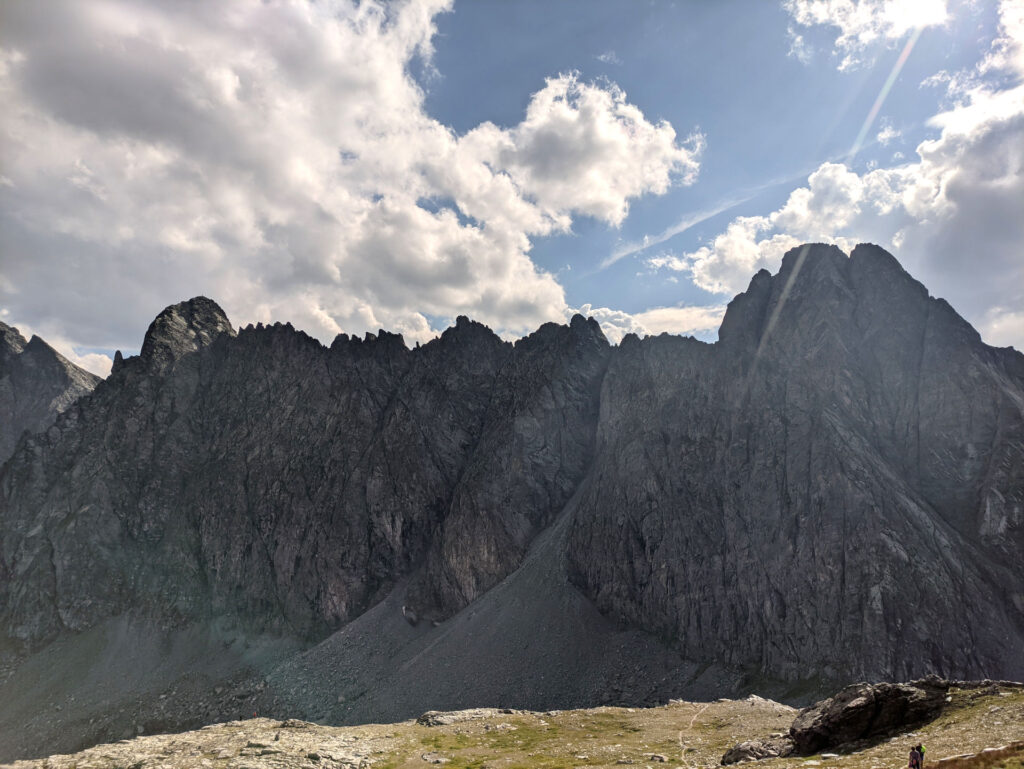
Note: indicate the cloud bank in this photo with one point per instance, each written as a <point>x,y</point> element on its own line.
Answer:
<point>861,23</point>
<point>657,320</point>
<point>278,157</point>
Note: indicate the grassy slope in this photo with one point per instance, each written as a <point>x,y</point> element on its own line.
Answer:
<point>685,734</point>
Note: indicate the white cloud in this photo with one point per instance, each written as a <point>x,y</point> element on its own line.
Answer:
<point>887,134</point>
<point>672,320</point>
<point>863,23</point>
<point>799,48</point>
<point>952,215</point>
<point>95,362</point>
<point>608,57</point>
<point>585,149</point>
<point>940,78</point>
<point>1004,327</point>
<point>278,157</point>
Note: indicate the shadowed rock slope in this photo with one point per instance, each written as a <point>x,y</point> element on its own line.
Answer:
<point>36,384</point>
<point>833,491</point>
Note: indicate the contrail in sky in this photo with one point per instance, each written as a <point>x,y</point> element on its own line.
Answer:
<point>688,221</point>
<point>695,218</point>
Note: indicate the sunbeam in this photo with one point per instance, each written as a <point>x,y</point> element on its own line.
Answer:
<point>880,100</point>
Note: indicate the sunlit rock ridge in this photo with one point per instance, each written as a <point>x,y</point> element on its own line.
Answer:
<point>833,491</point>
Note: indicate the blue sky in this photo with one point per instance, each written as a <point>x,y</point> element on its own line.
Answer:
<point>721,68</point>
<point>353,166</point>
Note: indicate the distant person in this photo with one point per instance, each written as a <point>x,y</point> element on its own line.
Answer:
<point>915,758</point>
<point>920,749</point>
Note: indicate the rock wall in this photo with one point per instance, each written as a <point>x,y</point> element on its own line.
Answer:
<point>265,477</point>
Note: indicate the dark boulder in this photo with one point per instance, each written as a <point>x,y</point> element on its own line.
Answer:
<point>858,714</point>
<point>866,711</point>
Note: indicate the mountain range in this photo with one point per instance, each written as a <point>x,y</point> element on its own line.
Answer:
<point>247,520</point>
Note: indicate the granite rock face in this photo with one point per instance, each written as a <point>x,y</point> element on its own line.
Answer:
<point>833,491</point>
<point>36,384</point>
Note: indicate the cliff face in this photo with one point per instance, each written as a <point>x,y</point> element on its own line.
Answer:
<point>835,489</point>
<point>267,478</point>
<point>36,384</point>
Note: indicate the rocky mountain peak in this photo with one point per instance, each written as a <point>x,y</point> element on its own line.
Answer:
<point>37,352</point>
<point>36,384</point>
<point>575,329</point>
<point>469,332</point>
<point>745,316</point>
<point>11,345</point>
<point>587,328</point>
<point>184,328</point>
<point>818,286</point>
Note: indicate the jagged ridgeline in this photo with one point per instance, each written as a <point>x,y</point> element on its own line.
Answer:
<point>832,491</point>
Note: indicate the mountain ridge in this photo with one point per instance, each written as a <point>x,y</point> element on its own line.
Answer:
<point>795,503</point>
<point>36,384</point>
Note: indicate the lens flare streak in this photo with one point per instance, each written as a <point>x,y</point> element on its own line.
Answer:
<point>884,93</point>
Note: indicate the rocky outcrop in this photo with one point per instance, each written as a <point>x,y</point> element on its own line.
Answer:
<point>858,715</point>
<point>445,718</point>
<point>865,712</point>
<point>756,750</point>
<point>36,384</point>
<point>534,447</point>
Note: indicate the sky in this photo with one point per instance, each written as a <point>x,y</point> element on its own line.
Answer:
<point>350,166</point>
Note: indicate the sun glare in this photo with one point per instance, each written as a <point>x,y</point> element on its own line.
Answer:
<point>905,15</point>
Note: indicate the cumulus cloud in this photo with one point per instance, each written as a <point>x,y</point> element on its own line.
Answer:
<point>952,215</point>
<point>671,320</point>
<point>278,157</point>
<point>863,23</point>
